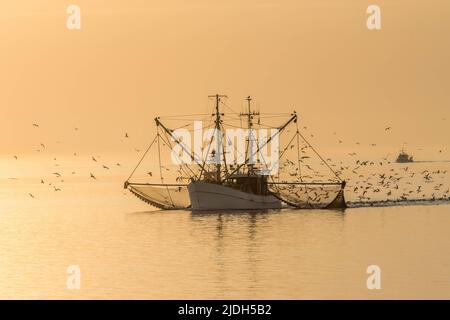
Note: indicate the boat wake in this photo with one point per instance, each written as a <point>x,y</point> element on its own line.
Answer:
<point>399,202</point>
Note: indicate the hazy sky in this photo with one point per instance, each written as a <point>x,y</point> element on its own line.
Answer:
<point>133,60</point>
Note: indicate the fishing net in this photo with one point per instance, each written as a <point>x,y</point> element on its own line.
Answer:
<point>314,196</point>
<point>162,196</point>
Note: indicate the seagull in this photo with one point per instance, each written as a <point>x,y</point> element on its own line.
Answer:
<point>57,174</point>
<point>36,125</point>
<point>93,159</point>
<point>56,189</point>
<point>118,164</point>
<point>105,167</point>
<point>42,181</point>
<point>388,128</point>
<point>126,135</point>
<point>150,173</point>
<point>93,177</point>
<point>15,157</point>
<point>31,195</point>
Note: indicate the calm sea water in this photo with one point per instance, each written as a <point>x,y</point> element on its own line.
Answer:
<point>126,249</point>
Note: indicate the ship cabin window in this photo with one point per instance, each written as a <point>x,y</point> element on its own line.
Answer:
<point>255,185</point>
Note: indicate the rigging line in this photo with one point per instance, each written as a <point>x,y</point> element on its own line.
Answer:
<point>238,153</point>
<point>184,119</point>
<point>309,183</point>
<point>223,136</point>
<point>201,155</point>
<point>226,106</point>
<point>160,169</point>
<point>267,126</point>
<point>207,153</point>
<point>187,125</point>
<point>298,160</point>
<point>191,152</point>
<point>167,141</point>
<point>268,116</point>
<point>279,158</point>
<point>317,153</point>
<point>199,129</point>
<point>184,115</point>
<point>298,154</point>
<point>229,118</point>
<point>142,158</point>
<point>265,163</point>
<point>160,184</point>
<point>280,129</point>
<point>287,146</point>
<point>232,126</point>
<point>278,113</point>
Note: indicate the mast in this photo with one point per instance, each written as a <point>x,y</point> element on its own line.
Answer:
<point>218,137</point>
<point>249,147</point>
<point>293,118</point>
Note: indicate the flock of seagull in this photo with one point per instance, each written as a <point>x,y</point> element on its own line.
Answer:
<point>369,181</point>
<point>56,186</point>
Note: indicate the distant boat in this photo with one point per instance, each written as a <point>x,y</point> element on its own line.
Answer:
<point>403,157</point>
<point>243,186</point>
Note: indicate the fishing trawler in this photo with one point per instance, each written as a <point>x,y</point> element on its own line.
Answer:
<point>403,157</point>
<point>249,184</point>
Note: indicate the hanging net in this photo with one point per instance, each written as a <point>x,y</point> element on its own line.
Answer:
<point>162,196</point>
<point>308,181</point>
<point>308,195</point>
<point>162,184</point>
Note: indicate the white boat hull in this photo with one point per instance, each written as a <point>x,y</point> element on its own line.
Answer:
<point>210,196</point>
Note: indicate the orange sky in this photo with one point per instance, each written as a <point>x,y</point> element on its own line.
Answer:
<point>133,60</point>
